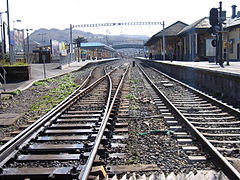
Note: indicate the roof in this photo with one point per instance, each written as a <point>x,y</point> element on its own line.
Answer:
<point>169,31</point>
<point>202,23</point>
<point>230,23</point>
<point>90,45</point>
<point>172,30</point>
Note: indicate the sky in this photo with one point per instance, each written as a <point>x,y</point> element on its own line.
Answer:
<point>35,14</point>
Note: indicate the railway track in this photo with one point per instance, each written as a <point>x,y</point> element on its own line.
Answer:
<point>63,144</point>
<point>91,128</point>
<point>208,121</point>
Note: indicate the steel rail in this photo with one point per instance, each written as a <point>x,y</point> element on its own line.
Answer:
<point>87,168</point>
<point>217,157</point>
<point>13,146</point>
<point>215,101</point>
<point>86,80</point>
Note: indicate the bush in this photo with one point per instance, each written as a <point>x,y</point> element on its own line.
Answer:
<point>5,63</point>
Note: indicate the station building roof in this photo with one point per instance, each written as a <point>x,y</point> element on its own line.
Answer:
<point>202,23</point>
<point>232,23</point>
<point>169,31</point>
<point>94,45</point>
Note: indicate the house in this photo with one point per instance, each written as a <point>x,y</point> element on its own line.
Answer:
<point>196,41</point>
<point>155,43</point>
<point>231,39</point>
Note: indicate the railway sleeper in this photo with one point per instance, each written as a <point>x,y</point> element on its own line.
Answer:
<point>61,173</point>
<point>61,120</point>
<point>80,115</point>
<point>43,148</point>
<point>84,112</point>
<point>65,138</point>
<point>72,126</point>
<point>51,157</point>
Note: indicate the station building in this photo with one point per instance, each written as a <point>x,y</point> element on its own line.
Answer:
<point>231,39</point>
<point>194,42</point>
<point>155,43</point>
<point>94,50</point>
<point>184,42</point>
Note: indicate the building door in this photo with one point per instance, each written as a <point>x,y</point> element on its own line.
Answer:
<point>238,51</point>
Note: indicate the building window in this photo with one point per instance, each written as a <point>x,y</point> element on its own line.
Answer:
<point>231,42</point>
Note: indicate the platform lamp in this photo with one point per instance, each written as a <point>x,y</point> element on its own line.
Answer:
<point>11,55</point>
<point>1,23</point>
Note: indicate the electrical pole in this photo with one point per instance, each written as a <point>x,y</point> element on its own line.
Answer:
<point>164,48</point>
<point>71,44</point>
<point>28,46</point>
<point>4,39</point>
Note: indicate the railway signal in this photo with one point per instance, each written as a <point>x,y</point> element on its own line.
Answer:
<point>213,18</point>
<point>216,20</point>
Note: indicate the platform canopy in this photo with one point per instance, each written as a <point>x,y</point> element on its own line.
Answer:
<point>94,45</point>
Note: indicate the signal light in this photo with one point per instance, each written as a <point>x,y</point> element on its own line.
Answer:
<point>213,18</point>
<point>214,43</point>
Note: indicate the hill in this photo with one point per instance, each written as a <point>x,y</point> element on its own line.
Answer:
<point>43,36</point>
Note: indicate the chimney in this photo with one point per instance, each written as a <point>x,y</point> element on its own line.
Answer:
<point>238,14</point>
<point>234,11</point>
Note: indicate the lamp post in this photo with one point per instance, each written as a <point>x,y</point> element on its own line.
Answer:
<point>11,55</point>
<point>1,23</point>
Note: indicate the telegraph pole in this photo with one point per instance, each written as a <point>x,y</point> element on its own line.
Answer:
<point>71,44</point>
<point>164,48</point>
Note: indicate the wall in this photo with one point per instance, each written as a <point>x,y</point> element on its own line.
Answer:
<point>233,38</point>
<point>16,74</point>
<point>226,85</point>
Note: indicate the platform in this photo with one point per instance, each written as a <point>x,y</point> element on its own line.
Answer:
<point>52,70</point>
<point>211,78</point>
<point>232,68</point>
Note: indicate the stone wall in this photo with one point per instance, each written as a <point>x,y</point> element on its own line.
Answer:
<point>16,74</point>
<point>218,84</point>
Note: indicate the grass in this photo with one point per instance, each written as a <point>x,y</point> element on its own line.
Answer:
<point>65,86</point>
<point>134,107</point>
<point>135,156</point>
<point>40,83</point>
<point>17,92</point>
<point>8,64</point>
<point>130,96</point>
<point>134,81</point>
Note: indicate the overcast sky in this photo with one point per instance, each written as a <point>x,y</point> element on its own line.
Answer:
<point>60,14</point>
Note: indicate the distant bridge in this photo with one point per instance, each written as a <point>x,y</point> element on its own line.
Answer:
<point>122,46</point>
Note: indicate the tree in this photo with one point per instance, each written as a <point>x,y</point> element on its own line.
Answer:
<point>79,40</point>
